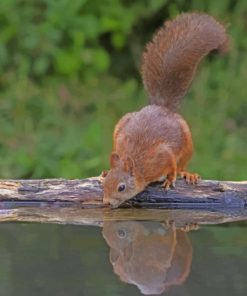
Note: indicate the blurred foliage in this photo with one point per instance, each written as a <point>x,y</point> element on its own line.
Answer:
<point>70,69</point>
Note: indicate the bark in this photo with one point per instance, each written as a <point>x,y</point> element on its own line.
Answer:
<point>87,193</point>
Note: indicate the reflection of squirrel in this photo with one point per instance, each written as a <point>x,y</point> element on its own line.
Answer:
<point>156,142</point>
<point>151,255</point>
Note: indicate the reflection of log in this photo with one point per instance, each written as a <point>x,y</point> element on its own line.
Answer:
<point>88,193</point>
<point>95,217</point>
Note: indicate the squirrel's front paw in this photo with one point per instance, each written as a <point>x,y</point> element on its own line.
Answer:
<point>190,178</point>
<point>168,184</point>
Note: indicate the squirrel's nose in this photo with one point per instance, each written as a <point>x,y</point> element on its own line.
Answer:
<point>114,204</point>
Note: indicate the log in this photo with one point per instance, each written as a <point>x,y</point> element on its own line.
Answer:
<point>80,202</point>
<point>87,193</point>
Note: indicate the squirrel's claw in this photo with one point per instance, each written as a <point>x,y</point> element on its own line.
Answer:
<point>189,227</point>
<point>190,178</point>
<point>168,184</point>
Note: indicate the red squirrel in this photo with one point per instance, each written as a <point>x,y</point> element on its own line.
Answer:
<point>156,142</point>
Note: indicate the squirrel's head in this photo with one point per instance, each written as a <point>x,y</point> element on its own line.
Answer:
<point>119,183</point>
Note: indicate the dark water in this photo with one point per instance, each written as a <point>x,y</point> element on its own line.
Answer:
<point>123,258</point>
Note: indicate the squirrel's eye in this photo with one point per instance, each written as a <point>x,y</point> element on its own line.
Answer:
<point>121,187</point>
<point>121,233</point>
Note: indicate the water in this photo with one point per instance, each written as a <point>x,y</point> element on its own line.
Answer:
<point>124,257</point>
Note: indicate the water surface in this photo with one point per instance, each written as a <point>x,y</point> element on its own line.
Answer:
<point>123,257</point>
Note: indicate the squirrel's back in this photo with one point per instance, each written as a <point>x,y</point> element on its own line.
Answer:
<point>136,132</point>
<point>172,57</point>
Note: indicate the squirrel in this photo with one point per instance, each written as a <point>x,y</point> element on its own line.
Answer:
<point>156,142</point>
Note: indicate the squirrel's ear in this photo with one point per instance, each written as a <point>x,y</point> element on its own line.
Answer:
<point>103,174</point>
<point>114,159</point>
<point>129,165</point>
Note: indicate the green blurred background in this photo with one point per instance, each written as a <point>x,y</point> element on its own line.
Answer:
<point>70,69</point>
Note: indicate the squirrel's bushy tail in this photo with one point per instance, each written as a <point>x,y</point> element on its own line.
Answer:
<point>172,57</point>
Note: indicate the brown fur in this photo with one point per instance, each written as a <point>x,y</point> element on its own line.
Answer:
<point>172,57</point>
<point>156,141</point>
